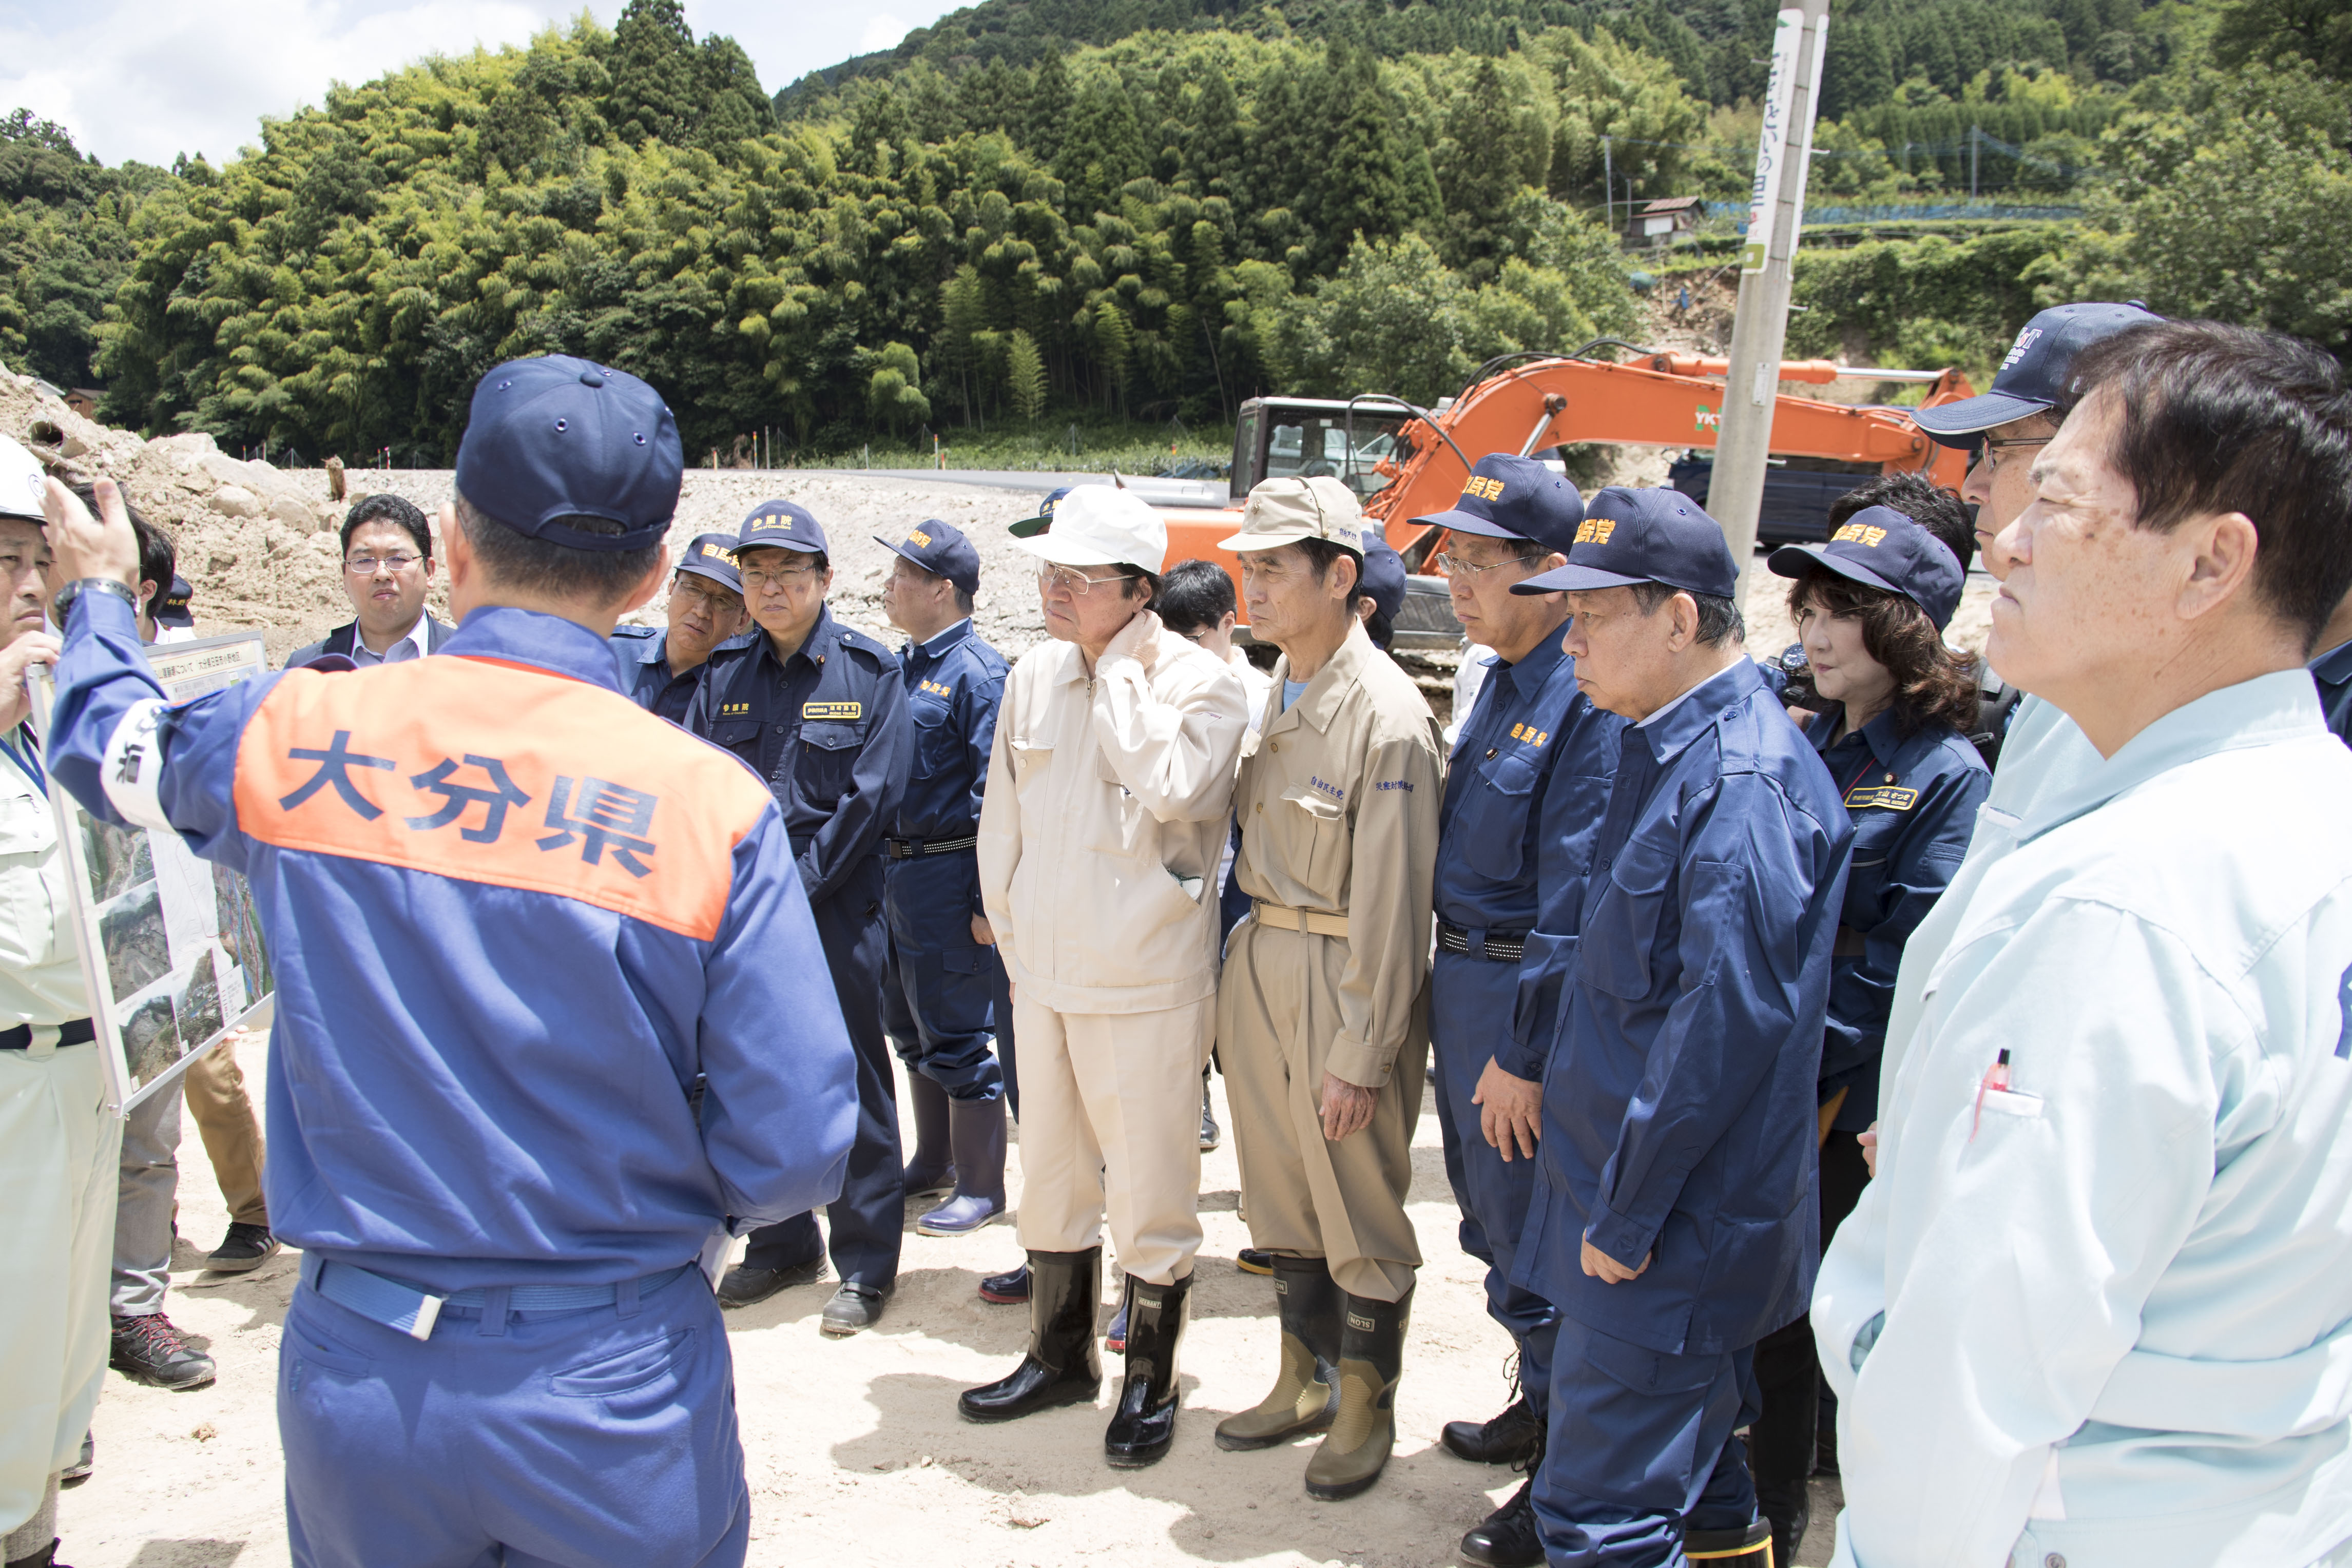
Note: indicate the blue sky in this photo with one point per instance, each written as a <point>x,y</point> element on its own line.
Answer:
<point>151,78</point>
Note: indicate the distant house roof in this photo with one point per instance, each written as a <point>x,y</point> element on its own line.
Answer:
<point>1670,204</point>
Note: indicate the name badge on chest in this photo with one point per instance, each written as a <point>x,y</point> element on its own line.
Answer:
<point>1887,797</point>
<point>830,710</point>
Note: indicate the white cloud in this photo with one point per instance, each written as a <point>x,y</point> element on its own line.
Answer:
<point>152,78</point>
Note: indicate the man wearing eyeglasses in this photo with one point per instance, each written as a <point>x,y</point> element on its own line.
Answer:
<point>819,711</point>
<point>387,571</point>
<point>1516,518</point>
<point>1107,787</point>
<point>660,667</point>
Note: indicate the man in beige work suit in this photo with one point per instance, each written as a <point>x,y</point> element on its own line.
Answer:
<point>1107,792</point>
<point>1322,1018</point>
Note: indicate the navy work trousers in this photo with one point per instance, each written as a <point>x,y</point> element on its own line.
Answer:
<point>936,988</point>
<point>867,1220</point>
<point>528,1439</point>
<point>1641,1447</point>
<point>1470,1011</point>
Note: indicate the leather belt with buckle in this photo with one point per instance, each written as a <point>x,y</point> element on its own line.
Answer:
<point>1502,946</point>
<point>75,1032</point>
<point>908,849</point>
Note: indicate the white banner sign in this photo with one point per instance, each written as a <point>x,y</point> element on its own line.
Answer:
<point>1772,160</point>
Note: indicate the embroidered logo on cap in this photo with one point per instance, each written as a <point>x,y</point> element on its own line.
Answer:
<point>1483,488</point>
<point>2025,340</point>
<point>1595,530</point>
<point>1859,534</point>
<point>919,538</point>
<point>718,554</point>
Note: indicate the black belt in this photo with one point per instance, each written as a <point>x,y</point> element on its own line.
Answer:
<point>1849,944</point>
<point>908,849</point>
<point>76,1031</point>
<point>1502,946</point>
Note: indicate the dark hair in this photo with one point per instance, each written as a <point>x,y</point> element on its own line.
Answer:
<point>518,561</point>
<point>1380,629</point>
<point>2215,418</point>
<point>1195,595</point>
<point>158,558</point>
<point>1719,620</point>
<point>1941,512</point>
<point>1151,580</point>
<point>1933,685</point>
<point>963,603</point>
<point>1323,555</point>
<point>390,509</point>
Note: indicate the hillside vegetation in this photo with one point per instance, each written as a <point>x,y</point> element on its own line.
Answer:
<point>1041,210</point>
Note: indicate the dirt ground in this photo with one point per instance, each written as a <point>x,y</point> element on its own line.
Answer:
<point>855,1451</point>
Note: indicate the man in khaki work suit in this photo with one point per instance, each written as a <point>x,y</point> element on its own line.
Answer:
<point>1322,1015</point>
<point>1099,836</point>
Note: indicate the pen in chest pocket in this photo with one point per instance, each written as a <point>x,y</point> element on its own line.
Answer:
<point>1996,1077</point>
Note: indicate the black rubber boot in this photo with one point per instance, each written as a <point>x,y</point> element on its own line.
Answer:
<point>931,1172</point>
<point>1372,1360</point>
<point>1748,1547</point>
<point>1145,1422</point>
<point>1307,1390</point>
<point>976,1135</point>
<point>1064,1365</point>
<point>1788,1508</point>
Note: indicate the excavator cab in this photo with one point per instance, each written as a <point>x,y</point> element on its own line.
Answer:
<point>1284,437</point>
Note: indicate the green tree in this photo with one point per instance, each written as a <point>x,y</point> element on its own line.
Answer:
<point>894,394</point>
<point>1024,376</point>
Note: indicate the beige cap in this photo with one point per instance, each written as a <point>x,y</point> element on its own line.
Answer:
<point>1284,511</point>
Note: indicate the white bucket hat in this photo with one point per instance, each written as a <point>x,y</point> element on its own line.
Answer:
<point>20,483</point>
<point>1095,525</point>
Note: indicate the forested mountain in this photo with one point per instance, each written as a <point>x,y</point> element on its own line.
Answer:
<point>1142,207</point>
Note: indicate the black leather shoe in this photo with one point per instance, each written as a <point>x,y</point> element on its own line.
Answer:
<point>1788,1508</point>
<point>245,1247</point>
<point>1145,1422</point>
<point>1064,1365</point>
<point>853,1309</point>
<point>1507,1537</point>
<point>149,1350</point>
<point>1253,1261</point>
<point>1008,1288</point>
<point>1506,1439</point>
<point>1750,1546</point>
<point>743,1285</point>
<point>1211,1133</point>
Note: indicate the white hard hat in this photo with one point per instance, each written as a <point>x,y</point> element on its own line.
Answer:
<point>21,477</point>
<point>1095,525</point>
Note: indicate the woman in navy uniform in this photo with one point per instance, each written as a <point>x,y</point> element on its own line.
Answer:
<point>1871,606</point>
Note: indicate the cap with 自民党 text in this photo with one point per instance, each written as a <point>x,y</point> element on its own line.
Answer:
<point>1513,498</point>
<point>1286,511</point>
<point>1878,546</point>
<point>556,437</point>
<point>1095,525</point>
<point>1384,574</point>
<point>1030,528</point>
<point>940,549</point>
<point>2033,375</point>
<point>780,525</point>
<point>1643,535</point>
<point>712,556</point>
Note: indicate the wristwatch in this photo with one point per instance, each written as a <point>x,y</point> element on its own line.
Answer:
<point>64,603</point>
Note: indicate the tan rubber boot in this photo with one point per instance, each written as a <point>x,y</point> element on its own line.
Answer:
<point>1306,1395</point>
<point>1371,1359</point>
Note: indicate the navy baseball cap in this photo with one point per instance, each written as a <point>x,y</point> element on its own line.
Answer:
<point>1643,535</point>
<point>713,555</point>
<point>1030,528</point>
<point>780,525</point>
<point>175,611</point>
<point>557,437</point>
<point>1383,579</point>
<point>2032,376</point>
<point>1513,498</point>
<point>940,549</point>
<point>1878,546</point>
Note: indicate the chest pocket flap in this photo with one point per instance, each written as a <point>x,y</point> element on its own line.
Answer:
<point>832,735</point>
<point>1622,927</point>
<point>1494,819</point>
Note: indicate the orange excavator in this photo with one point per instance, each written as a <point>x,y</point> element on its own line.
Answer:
<point>1407,462</point>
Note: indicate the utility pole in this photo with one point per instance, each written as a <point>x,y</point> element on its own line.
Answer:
<point>1776,207</point>
<point>1976,157</point>
<point>1608,189</point>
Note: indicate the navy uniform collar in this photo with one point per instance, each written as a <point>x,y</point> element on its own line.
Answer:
<point>653,650</point>
<point>1881,734</point>
<point>1694,712</point>
<point>2335,666</point>
<point>1533,670</point>
<point>548,643</point>
<point>944,640</point>
<point>824,638</point>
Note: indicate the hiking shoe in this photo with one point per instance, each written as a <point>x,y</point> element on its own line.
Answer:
<point>149,1350</point>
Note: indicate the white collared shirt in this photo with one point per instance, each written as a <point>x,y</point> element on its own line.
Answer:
<point>412,645</point>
